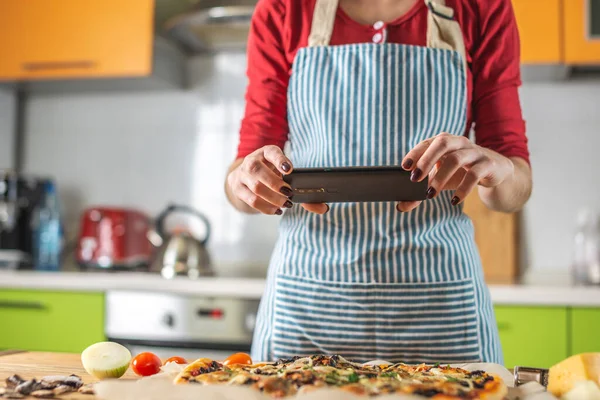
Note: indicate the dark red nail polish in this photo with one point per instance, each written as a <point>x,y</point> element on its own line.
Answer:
<point>286,191</point>
<point>430,192</point>
<point>407,164</point>
<point>278,212</point>
<point>398,208</point>
<point>415,175</point>
<point>328,208</point>
<point>288,204</point>
<point>455,200</point>
<point>286,167</point>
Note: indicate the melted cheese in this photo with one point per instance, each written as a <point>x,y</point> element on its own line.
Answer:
<point>564,375</point>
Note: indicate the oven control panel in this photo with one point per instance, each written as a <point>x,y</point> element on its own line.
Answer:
<point>161,317</point>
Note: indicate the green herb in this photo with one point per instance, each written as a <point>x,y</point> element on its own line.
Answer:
<point>332,378</point>
<point>389,375</point>
<point>353,377</point>
<point>437,365</point>
<point>452,379</point>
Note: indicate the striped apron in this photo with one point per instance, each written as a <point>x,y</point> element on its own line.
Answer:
<point>364,280</point>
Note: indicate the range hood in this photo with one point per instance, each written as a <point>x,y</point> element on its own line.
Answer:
<point>212,25</point>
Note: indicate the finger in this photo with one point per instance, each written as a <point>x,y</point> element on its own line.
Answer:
<point>469,183</point>
<point>410,159</point>
<point>275,156</point>
<point>440,146</point>
<point>319,208</point>
<point>406,206</point>
<point>257,173</point>
<point>450,166</point>
<point>258,188</point>
<point>256,202</point>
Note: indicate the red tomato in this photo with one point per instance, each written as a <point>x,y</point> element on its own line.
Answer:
<point>238,358</point>
<point>146,364</point>
<point>176,360</point>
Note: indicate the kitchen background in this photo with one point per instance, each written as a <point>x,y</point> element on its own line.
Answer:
<point>144,141</point>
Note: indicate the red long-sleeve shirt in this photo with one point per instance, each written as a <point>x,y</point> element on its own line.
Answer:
<point>280,27</point>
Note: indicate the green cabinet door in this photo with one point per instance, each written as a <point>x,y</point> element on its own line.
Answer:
<point>585,325</point>
<point>50,321</point>
<point>533,336</point>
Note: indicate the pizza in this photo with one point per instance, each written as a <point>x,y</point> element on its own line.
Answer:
<point>297,375</point>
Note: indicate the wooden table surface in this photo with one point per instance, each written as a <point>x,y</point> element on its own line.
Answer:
<point>37,365</point>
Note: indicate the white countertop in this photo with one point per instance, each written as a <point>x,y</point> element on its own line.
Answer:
<point>537,289</point>
<point>105,281</point>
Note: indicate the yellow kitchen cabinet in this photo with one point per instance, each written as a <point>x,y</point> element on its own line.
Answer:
<point>539,23</point>
<point>581,38</point>
<point>41,39</point>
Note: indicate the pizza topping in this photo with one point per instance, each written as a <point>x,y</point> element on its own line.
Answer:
<point>284,378</point>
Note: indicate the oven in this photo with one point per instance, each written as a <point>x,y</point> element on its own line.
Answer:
<point>171,324</point>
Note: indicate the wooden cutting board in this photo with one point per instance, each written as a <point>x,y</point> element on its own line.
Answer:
<point>37,365</point>
<point>497,236</point>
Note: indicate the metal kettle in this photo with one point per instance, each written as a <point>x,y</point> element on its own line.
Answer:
<point>179,252</point>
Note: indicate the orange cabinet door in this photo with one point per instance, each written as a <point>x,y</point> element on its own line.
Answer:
<point>539,23</point>
<point>582,31</point>
<point>42,39</point>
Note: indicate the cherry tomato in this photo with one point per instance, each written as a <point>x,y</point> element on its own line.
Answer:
<point>176,360</point>
<point>146,364</point>
<point>238,358</point>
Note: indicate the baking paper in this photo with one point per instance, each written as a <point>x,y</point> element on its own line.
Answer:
<point>159,387</point>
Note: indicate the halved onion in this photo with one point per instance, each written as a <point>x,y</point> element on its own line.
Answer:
<point>106,360</point>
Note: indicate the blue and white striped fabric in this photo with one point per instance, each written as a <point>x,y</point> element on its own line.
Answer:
<point>364,280</point>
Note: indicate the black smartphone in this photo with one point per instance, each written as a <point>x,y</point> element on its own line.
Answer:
<point>354,184</point>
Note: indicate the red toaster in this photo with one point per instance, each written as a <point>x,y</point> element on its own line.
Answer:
<point>114,238</point>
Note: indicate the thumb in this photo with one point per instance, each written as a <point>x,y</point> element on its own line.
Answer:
<point>319,208</point>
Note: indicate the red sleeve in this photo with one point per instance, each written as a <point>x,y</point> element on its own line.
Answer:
<point>265,118</point>
<point>499,123</point>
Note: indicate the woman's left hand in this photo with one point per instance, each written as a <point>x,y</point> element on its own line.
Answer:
<point>454,163</point>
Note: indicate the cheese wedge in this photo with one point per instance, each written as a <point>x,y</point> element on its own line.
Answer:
<point>582,367</point>
<point>584,390</point>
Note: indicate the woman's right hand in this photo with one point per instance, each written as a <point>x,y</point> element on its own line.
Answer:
<point>258,182</point>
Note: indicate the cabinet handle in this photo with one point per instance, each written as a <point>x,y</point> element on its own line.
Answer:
<point>22,305</point>
<point>53,65</point>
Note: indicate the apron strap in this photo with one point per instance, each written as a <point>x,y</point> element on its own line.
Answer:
<point>443,31</point>
<point>322,24</point>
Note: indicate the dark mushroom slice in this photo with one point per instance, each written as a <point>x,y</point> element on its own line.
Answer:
<point>13,381</point>
<point>71,380</point>
<point>27,387</point>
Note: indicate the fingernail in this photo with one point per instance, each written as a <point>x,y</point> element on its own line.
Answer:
<point>398,208</point>
<point>286,191</point>
<point>288,204</point>
<point>455,200</point>
<point>328,208</point>
<point>415,175</point>
<point>407,164</point>
<point>286,167</point>
<point>278,212</point>
<point>430,192</point>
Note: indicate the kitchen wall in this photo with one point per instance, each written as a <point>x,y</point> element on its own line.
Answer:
<point>150,148</point>
<point>7,113</point>
<point>146,149</point>
<point>563,123</point>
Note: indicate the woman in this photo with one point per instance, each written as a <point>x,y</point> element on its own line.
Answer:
<point>370,83</point>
